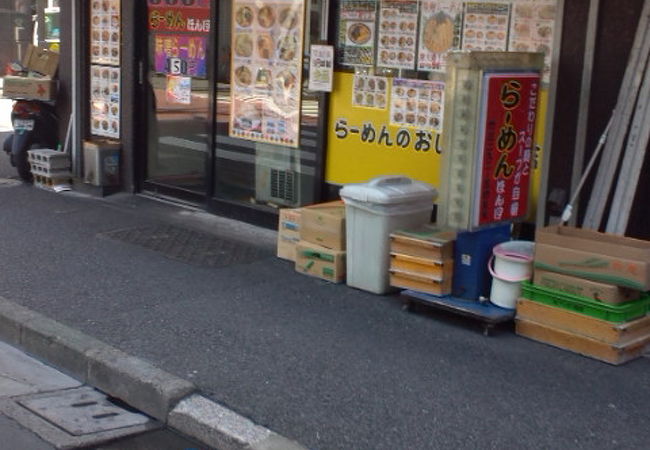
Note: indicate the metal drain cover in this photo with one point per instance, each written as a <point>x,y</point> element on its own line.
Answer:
<point>190,246</point>
<point>9,182</point>
<point>82,411</point>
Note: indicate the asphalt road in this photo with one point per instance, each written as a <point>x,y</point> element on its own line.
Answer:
<point>326,365</point>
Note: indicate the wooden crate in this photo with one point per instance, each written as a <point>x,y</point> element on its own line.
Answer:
<point>424,242</point>
<point>603,351</point>
<point>422,266</point>
<point>420,283</point>
<point>618,333</point>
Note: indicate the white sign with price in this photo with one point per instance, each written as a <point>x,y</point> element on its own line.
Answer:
<point>321,68</point>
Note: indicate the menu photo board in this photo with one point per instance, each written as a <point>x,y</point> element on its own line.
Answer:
<point>532,28</point>
<point>105,101</point>
<point>486,26</point>
<point>398,23</point>
<point>417,103</point>
<point>266,70</point>
<point>105,26</point>
<point>504,157</point>
<point>370,91</point>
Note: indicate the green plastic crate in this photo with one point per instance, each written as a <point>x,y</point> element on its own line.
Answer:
<point>613,313</point>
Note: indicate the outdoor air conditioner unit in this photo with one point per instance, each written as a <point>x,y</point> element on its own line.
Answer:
<point>277,175</point>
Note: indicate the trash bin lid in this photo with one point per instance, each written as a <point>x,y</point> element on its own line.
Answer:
<point>389,189</point>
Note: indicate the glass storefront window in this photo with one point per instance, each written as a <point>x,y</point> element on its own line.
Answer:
<point>256,172</point>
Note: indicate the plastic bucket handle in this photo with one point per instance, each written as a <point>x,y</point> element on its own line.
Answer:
<point>515,256</point>
<point>501,277</point>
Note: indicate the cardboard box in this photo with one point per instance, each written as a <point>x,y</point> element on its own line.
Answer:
<point>324,225</point>
<point>606,293</point>
<point>320,262</point>
<point>596,256</point>
<point>427,241</point>
<point>41,60</point>
<point>288,232</point>
<point>29,88</point>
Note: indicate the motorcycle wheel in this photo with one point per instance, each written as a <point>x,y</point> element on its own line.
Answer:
<point>9,142</point>
<point>21,162</point>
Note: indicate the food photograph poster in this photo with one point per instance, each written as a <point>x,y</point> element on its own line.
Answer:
<point>440,25</point>
<point>370,91</point>
<point>266,71</point>
<point>356,41</point>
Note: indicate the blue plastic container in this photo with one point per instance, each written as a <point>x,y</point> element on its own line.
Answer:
<point>472,252</point>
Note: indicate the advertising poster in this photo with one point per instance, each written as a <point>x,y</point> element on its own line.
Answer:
<point>266,70</point>
<point>105,101</point>
<point>507,125</point>
<point>178,90</point>
<point>486,26</point>
<point>417,103</point>
<point>105,27</point>
<point>180,54</point>
<point>321,68</point>
<point>531,30</point>
<point>440,27</point>
<point>370,91</point>
<point>356,40</point>
<point>398,23</point>
<point>179,16</point>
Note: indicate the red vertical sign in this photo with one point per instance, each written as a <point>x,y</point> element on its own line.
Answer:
<point>506,148</point>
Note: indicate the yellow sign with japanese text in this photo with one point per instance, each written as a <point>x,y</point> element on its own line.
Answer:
<point>362,143</point>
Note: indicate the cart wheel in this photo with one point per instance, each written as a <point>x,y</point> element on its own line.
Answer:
<point>487,328</point>
<point>407,305</point>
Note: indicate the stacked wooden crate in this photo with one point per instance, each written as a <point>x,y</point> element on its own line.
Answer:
<point>588,294</point>
<point>421,259</point>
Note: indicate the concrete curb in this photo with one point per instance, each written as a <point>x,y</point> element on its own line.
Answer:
<point>169,399</point>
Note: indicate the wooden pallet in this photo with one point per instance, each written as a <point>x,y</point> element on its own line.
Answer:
<point>603,351</point>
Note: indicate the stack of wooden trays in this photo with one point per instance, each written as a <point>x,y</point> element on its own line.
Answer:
<point>421,259</point>
<point>611,332</point>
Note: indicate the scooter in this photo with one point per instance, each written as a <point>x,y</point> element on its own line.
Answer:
<point>35,126</point>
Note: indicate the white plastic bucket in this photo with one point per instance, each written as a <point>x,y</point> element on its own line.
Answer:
<point>513,263</point>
